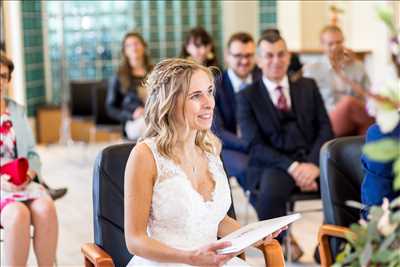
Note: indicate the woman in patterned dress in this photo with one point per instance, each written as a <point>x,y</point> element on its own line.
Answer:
<point>27,204</point>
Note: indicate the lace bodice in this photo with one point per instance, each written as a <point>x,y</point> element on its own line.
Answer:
<point>179,216</point>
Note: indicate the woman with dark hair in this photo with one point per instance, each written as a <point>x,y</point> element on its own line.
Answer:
<point>199,47</point>
<point>124,100</point>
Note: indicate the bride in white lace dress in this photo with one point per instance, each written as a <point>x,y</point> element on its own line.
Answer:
<point>176,191</point>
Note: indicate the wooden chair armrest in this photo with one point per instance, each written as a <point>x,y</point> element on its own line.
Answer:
<point>95,256</point>
<point>273,254</point>
<point>325,232</point>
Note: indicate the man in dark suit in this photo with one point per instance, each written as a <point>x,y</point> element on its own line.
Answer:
<point>285,124</point>
<point>241,72</point>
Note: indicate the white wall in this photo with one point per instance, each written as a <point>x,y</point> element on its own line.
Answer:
<point>366,32</point>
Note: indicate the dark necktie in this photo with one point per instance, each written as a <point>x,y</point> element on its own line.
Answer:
<point>281,104</point>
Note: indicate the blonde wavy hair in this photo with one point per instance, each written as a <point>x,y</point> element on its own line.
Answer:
<point>169,79</point>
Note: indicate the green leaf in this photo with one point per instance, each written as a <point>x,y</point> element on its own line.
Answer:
<point>395,203</point>
<point>387,16</point>
<point>387,242</point>
<point>382,257</point>
<point>395,217</point>
<point>366,255</point>
<point>375,213</point>
<point>383,150</point>
<point>396,170</point>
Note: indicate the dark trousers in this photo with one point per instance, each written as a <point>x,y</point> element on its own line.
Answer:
<point>236,164</point>
<point>273,192</point>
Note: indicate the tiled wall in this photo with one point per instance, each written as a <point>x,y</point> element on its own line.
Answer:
<point>92,32</point>
<point>33,53</point>
<point>164,24</point>
<point>268,14</point>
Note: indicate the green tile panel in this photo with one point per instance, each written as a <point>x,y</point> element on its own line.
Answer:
<point>267,14</point>
<point>163,25</point>
<point>33,52</point>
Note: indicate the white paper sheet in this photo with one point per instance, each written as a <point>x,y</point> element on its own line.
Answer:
<point>251,233</point>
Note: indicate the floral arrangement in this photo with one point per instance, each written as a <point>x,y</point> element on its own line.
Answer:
<point>376,242</point>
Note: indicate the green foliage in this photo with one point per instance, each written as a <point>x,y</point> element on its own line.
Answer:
<point>386,150</point>
<point>383,150</point>
<point>387,16</point>
<point>368,246</point>
<point>396,170</point>
<point>376,242</point>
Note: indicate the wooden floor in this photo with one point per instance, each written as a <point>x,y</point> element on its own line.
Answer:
<point>72,167</point>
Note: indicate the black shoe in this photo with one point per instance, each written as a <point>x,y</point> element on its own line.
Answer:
<point>316,256</point>
<point>57,193</point>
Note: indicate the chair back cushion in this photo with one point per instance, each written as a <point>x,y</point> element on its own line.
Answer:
<point>80,102</point>
<point>108,201</point>
<point>341,178</point>
<point>100,115</point>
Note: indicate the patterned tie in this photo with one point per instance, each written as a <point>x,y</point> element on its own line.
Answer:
<point>281,105</point>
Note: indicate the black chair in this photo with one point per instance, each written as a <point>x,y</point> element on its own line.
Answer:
<point>341,178</point>
<point>103,122</point>
<point>100,115</point>
<point>80,103</point>
<point>110,248</point>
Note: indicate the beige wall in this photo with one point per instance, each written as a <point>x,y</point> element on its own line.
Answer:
<point>289,23</point>
<point>14,48</point>
<point>240,16</point>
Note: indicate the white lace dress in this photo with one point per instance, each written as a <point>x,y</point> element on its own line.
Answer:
<point>179,215</point>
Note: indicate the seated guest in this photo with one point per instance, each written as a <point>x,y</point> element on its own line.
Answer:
<point>295,69</point>
<point>346,111</point>
<point>241,72</point>
<point>199,46</point>
<point>26,204</point>
<point>176,191</point>
<point>124,100</point>
<point>285,124</point>
<point>379,176</point>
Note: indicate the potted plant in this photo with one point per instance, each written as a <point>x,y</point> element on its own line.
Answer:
<point>376,241</point>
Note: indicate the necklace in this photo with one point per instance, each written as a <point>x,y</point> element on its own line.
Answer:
<point>194,170</point>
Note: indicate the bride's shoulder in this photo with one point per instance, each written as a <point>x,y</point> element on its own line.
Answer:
<point>143,150</point>
<point>142,157</point>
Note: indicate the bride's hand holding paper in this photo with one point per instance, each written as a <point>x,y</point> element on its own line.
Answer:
<point>208,256</point>
<point>270,237</point>
<point>255,232</point>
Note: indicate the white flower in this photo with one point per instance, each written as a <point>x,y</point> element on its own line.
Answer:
<point>384,225</point>
<point>387,119</point>
<point>394,48</point>
<point>387,116</point>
